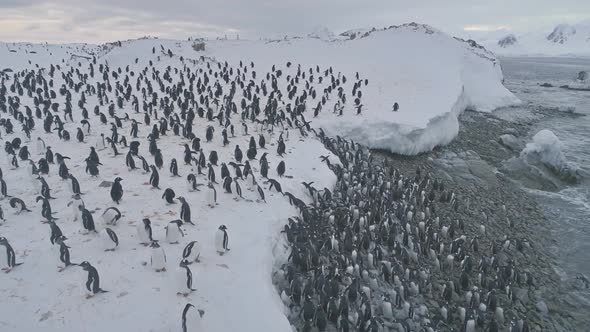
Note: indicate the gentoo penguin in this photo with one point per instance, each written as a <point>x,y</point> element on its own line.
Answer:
<point>260,194</point>
<point>100,142</point>
<point>40,146</point>
<point>174,167</point>
<point>169,196</point>
<point>110,239</point>
<point>4,188</point>
<point>158,257</point>
<point>185,211</point>
<point>144,232</point>
<point>55,232</point>
<point>74,186</point>
<point>19,205</point>
<point>87,220</point>
<point>77,203</point>
<point>191,252</point>
<point>111,215</point>
<point>184,279</point>
<point>154,177</point>
<point>93,280</point>
<point>10,255</point>
<point>64,253</point>
<point>192,183</point>
<point>129,161</point>
<point>191,320</point>
<point>174,232</point>
<point>211,195</point>
<point>117,190</point>
<point>221,240</point>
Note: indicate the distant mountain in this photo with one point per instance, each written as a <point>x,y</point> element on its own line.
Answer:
<point>563,39</point>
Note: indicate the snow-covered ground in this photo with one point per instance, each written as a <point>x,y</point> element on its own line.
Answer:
<point>432,76</point>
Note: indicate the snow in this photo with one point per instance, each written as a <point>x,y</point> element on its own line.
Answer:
<point>432,76</point>
<point>547,147</point>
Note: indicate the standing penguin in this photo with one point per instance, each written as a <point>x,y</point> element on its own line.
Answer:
<point>191,321</point>
<point>144,231</point>
<point>184,279</point>
<point>110,239</point>
<point>93,281</point>
<point>10,255</point>
<point>87,220</point>
<point>221,240</point>
<point>76,203</point>
<point>211,195</point>
<point>154,177</point>
<point>129,161</point>
<point>117,190</point>
<point>191,252</point>
<point>174,168</point>
<point>64,253</point>
<point>75,186</point>
<point>185,211</point>
<point>174,232</point>
<point>158,257</point>
<point>169,196</point>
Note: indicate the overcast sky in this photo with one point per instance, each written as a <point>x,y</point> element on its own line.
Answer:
<point>107,20</point>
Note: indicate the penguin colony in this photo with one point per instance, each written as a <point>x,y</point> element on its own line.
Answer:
<point>362,255</point>
<point>122,114</point>
<point>385,251</point>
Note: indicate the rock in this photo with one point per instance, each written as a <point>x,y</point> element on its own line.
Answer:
<point>511,142</point>
<point>542,307</point>
<point>546,85</point>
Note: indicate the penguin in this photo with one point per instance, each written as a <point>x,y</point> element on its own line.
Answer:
<point>87,220</point>
<point>261,193</point>
<point>174,232</point>
<point>185,279</point>
<point>174,168</point>
<point>10,255</point>
<point>281,168</point>
<point>111,216</point>
<point>169,196</point>
<point>19,205</point>
<point>76,203</point>
<point>80,135</point>
<point>3,188</point>
<point>74,186</point>
<point>154,177</point>
<point>144,165</point>
<point>221,240</point>
<point>64,253</point>
<point>191,252</point>
<point>144,232</point>
<point>110,239</point>
<point>56,232</point>
<point>158,257</point>
<point>211,195</point>
<point>117,190</point>
<point>93,280</point>
<point>129,161</point>
<point>185,211</point>
<point>40,146</point>
<point>191,321</point>
<point>192,183</point>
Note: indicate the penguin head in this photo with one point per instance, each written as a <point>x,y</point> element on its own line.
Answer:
<point>155,244</point>
<point>118,179</point>
<point>146,221</point>
<point>184,263</point>
<point>84,265</point>
<point>222,227</point>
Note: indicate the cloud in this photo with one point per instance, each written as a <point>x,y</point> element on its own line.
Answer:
<point>107,20</point>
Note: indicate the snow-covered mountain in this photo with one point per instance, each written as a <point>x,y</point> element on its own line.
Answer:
<point>563,39</point>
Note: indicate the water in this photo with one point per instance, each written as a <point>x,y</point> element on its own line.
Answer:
<point>569,209</point>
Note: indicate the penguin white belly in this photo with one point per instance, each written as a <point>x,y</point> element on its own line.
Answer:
<point>109,216</point>
<point>40,148</point>
<point>77,214</point>
<point>387,310</point>
<point>3,258</point>
<point>142,234</point>
<point>219,241</point>
<point>211,197</point>
<point>172,233</point>
<point>189,186</point>
<point>194,321</point>
<point>181,281</point>
<point>36,184</point>
<point>158,259</point>
<point>194,253</point>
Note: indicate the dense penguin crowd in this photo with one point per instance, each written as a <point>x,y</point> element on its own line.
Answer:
<point>379,251</point>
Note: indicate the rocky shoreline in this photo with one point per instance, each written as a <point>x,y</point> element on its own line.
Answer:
<point>516,231</point>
